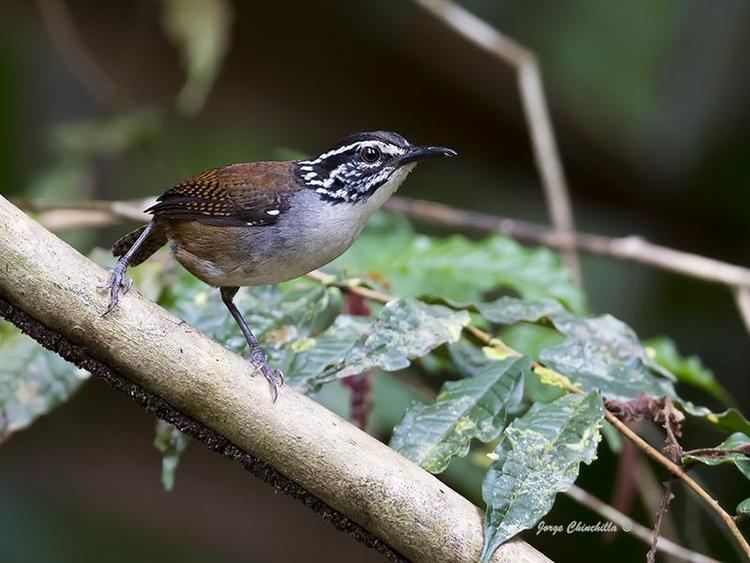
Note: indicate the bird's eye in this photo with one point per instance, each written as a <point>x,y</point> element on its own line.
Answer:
<point>369,154</point>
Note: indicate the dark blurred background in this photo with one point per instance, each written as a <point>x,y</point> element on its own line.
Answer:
<point>649,102</point>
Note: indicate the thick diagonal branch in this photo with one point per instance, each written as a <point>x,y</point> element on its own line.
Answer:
<point>349,471</point>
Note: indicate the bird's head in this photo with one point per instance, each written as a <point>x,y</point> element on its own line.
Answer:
<point>356,167</point>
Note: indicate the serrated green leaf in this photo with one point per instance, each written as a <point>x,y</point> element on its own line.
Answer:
<point>688,370</point>
<point>740,457</point>
<point>200,29</point>
<point>171,443</point>
<point>33,380</point>
<point>604,354</point>
<point>316,354</point>
<point>431,435</point>
<point>403,330</point>
<point>538,456</point>
<point>456,267</point>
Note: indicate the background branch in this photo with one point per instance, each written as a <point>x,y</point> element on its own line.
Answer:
<point>348,470</point>
<point>78,59</point>
<point>632,527</point>
<point>543,144</point>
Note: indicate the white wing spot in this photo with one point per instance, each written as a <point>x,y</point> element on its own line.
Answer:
<point>273,212</point>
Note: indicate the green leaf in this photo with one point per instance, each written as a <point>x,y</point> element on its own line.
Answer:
<point>530,339</point>
<point>456,267</point>
<point>403,330</point>
<point>282,317</point>
<point>298,327</point>
<point>689,370</point>
<point>743,508</point>
<point>431,435</point>
<point>201,31</point>
<point>33,380</point>
<point>730,420</point>
<point>511,310</point>
<point>108,136</point>
<point>723,453</point>
<point>316,354</point>
<point>293,322</point>
<point>505,310</point>
<point>604,354</point>
<point>75,145</point>
<point>171,443</point>
<point>538,456</point>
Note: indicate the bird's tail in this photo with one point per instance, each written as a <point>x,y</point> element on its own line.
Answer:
<point>155,240</point>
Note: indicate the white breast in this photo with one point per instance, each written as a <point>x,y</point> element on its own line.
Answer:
<point>313,232</point>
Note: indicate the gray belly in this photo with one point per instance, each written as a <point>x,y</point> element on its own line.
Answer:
<point>300,242</point>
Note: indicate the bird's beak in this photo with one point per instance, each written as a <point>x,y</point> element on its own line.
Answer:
<point>421,153</point>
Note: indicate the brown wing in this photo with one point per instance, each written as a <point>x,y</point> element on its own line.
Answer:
<point>251,194</point>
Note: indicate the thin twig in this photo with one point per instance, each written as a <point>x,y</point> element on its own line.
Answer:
<point>677,471</point>
<point>633,248</point>
<point>546,154</point>
<point>742,297</point>
<point>666,498</point>
<point>632,527</point>
<point>62,32</point>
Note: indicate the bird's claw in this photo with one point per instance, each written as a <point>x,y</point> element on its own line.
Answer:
<point>275,377</point>
<point>117,283</point>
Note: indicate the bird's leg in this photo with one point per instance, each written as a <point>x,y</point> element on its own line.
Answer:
<point>256,357</point>
<point>117,280</point>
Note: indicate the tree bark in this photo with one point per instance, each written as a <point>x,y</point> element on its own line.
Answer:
<point>348,470</point>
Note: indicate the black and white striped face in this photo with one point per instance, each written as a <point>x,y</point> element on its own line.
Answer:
<point>356,167</point>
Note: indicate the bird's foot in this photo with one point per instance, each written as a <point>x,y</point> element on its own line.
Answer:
<point>275,377</point>
<point>116,283</point>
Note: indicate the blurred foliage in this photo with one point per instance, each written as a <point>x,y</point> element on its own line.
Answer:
<point>201,31</point>
<point>688,370</point>
<point>171,443</point>
<point>33,381</point>
<point>455,267</point>
<point>77,146</point>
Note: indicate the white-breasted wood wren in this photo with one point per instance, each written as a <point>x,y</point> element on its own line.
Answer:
<point>266,222</point>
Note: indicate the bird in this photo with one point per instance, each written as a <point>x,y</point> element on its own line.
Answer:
<point>267,222</point>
